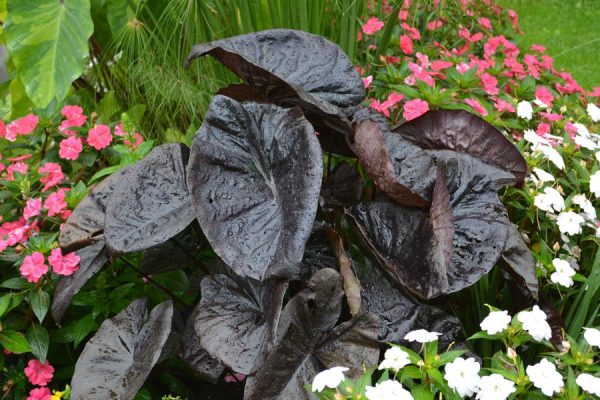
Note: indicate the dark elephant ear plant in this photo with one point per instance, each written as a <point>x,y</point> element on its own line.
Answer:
<point>282,299</point>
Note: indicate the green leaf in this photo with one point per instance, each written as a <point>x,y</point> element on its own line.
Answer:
<point>450,356</point>
<point>38,339</point>
<point>14,342</point>
<point>108,106</point>
<point>47,41</point>
<point>15,283</point>
<point>40,302</point>
<point>103,172</point>
<point>116,14</point>
<point>4,304</point>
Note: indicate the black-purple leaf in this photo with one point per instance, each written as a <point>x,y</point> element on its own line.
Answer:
<point>91,259</point>
<point>398,168</point>
<point>176,253</point>
<point>237,320</point>
<point>288,67</point>
<point>196,356</point>
<point>344,186</point>
<point>398,311</point>
<point>518,261</point>
<point>152,203</point>
<point>255,176</point>
<point>308,340</point>
<point>271,58</point>
<point>119,357</point>
<point>463,132</point>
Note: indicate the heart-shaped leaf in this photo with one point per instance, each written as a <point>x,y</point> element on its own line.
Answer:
<point>518,261</point>
<point>119,357</point>
<point>237,320</point>
<point>176,253</point>
<point>399,311</point>
<point>299,59</point>
<point>91,260</point>
<point>86,222</point>
<point>309,339</point>
<point>392,232</point>
<point>152,203</point>
<point>463,132</point>
<point>288,67</point>
<point>255,176</point>
<point>196,356</point>
<point>403,172</point>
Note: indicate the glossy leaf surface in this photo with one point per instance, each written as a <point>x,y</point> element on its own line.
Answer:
<point>255,176</point>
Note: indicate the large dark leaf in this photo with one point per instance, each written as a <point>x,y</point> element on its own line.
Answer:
<point>119,357</point>
<point>152,203</point>
<point>299,59</point>
<point>196,356</point>
<point>86,222</point>
<point>91,259</point>
<point>255,175</point>
<point>463,132</point>
<point>176,253</point>
<point>398,168</point>
<point>399,312</point>
<point>237,320</point>
<point>518,261</point>
<point>344,186</point>
<point>309,341</point>
<point>288,67</point>
<point>414,246</point>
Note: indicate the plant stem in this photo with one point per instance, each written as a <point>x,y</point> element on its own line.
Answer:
<point>155,283</point>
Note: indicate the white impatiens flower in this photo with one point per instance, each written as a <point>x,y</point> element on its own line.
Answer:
<point>395,359</point>
<point>545,377</point>
<point>589,383</point>
<point>563,274</point>
<point>594,112</point>
<point>595,184</point>
<point>463,376</point>
<point>330,378</point>
<point>550,201</point>
<point>387,390</point>
<point>554,156</point>
<point>542,175</point>
<point>585,205</point>
<point>495,322</point>
<point>534,322</point>
<point>569,222</point>
<point>592,336</point>
<point>525,110</point>
<point>536,140</point>
<point>495,387</point>
<point>422,336</point>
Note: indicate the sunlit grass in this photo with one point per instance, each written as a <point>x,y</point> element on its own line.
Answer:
<point>570,30</point>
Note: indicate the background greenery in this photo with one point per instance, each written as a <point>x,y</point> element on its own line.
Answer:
<point>570,31</point>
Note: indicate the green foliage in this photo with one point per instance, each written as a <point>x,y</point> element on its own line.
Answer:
<point>47,42</point>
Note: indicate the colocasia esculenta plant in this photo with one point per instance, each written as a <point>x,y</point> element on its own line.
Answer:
<point>328,228</point>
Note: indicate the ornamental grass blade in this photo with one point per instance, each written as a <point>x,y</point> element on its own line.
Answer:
<point>255,176</point>
<point>119,357</point>
<point>152,203</point>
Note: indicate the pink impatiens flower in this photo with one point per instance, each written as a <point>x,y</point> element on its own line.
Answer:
<point>70,148</point>
<point>72,112</point>
<point>406,44</point>
<point>414,109</point>
<point>503,106</point>
<point>54,175</point>
<point>372,25</point>
<point>38,373</point>
<point>595,92</point>
<point>476,106</point>
<point>55,203</point>
<point>489,83</point>
<point>99,137</point>
<point>21,126</point>
<point>544,95</point>
<point>19,167</point>
<point>63,265</point>
<point>33,268</point>
<point>42,393</point>
<point>32,208</point>
<point>366,83</point>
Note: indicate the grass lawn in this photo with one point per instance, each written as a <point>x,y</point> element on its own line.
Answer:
<point>569,29</point>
